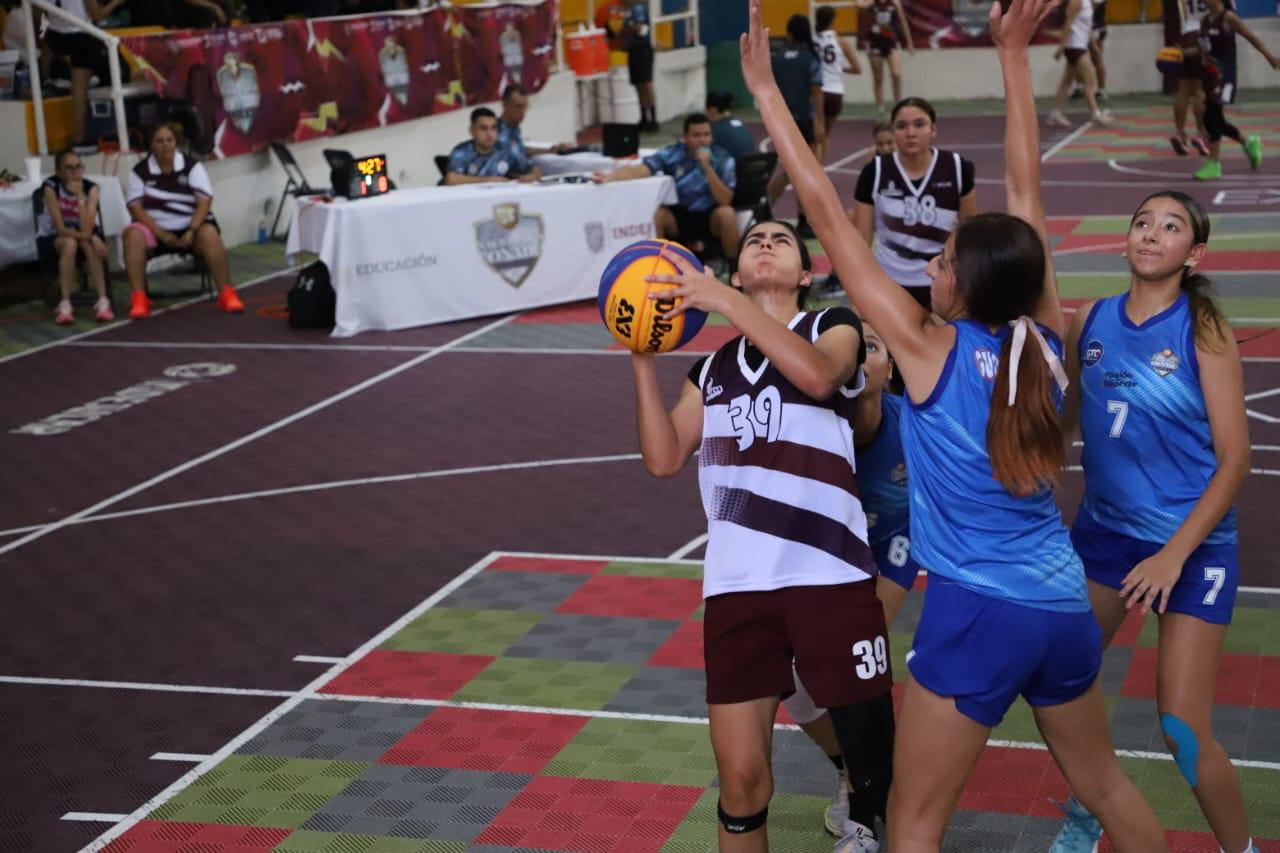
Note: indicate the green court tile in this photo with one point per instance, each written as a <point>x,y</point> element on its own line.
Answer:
<point>261,791</point>
<point>697,614</point>
<point>547,683</point>
<point>331,842</point>
<point>1263,241</point>
<point>638,751</point>
<point>654,570</point>
<point>899,645</point>
<point>1167,792</point>
<point>1019,724</point>
<point>1103,225</point>
<point>1253,631</point>
<point>795,826</point>
<point>459,631</point>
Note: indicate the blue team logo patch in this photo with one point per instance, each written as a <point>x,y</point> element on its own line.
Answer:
<point>1165,362</point>
<point>1092,353</point>
<point>987,363</point>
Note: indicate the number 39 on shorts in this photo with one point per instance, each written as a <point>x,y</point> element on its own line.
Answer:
<point>873,658</point>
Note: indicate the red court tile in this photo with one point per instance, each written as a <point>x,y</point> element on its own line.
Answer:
<point>1129,630</point>
<point>1245,680</point>
<point>634,597</point>
<point>783,717</point>
<point>502,741</point>
<point>590,815</point>
<point>577,312</point>
<point>683,649</point>
<point>1257,342</point>
<point>1015,781</point>
<point>408,675</point>
<point>1255,260</point>
<point>1062,224</point>
<point>157,836</point>
<point>1076,244</point>
<point>546,564</point>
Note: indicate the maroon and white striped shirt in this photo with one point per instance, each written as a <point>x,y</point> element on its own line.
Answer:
<point>169,198</point>
<point>776,471</point>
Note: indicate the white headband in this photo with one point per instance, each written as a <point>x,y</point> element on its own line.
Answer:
<point>1020,328</point>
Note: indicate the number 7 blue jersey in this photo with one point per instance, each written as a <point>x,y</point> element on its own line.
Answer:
<point>1148,449</point>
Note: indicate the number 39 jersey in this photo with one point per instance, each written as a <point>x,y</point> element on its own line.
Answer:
<point>776,471</point>
<point>913,218</point>
<point>1148,449</point>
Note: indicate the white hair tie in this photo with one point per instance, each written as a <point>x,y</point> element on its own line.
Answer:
<point>1021,326</point>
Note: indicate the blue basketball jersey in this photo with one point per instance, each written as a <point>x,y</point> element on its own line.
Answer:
<point>965,526</point>
<point>1148,449</point>
<point>882,476</point>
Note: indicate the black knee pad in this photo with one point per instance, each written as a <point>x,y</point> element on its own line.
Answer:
<point>741,825</point>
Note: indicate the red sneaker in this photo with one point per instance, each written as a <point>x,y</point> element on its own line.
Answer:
<point>139,306</point>
<point>1201,146</point>
<point>63,316</point>
<point>228,301</point>
<point>1180,144</point>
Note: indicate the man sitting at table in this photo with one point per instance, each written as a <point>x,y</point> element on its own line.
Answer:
<point>515,103</point>
<point>705,178</point>
<point>482,160</point>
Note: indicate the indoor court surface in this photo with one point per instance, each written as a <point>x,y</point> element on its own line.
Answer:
<point>414,591</point>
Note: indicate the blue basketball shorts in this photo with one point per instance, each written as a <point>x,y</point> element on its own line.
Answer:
<point>893,558</point>
<point>985,652</point>
<point>1206,588</point>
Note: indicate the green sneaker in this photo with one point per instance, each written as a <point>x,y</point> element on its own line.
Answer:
<point>1253,147</point>
<point>1210,171</point>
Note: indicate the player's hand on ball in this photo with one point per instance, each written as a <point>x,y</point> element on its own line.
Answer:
<point>1149,583</point>
<point>694,288</point>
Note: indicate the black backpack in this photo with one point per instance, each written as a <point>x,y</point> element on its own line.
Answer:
<point>312,301</point>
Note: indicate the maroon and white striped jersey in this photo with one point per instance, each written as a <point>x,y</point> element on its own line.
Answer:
<point>776,469</point>
<point>169,198</point>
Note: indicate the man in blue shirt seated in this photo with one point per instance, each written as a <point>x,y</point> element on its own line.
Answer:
<point>481,160</point>
<point>705,178</point>
<point>726,131</point>
<point>515,103</point>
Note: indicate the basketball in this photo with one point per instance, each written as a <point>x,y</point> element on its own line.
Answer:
<point>634,320</point>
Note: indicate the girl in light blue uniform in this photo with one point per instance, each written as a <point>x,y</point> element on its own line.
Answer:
<point>1160,392</point>
<point>1006,612</point>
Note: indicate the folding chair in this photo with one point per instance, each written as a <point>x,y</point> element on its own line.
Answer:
<point>295,186</point>
<point>750,196</point>
<point>442,163</point>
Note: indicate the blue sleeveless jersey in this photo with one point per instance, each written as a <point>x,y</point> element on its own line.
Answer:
<point>1148,450</point>
<point>882,476</point>
<point>965,526</point>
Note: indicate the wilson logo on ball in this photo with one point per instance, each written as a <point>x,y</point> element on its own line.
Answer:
<point>632,318</point>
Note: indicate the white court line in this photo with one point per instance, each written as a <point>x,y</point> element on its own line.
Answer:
<point>687,353</point>
<point>1130,753</point>
<point>316,659</point>
<point>140,685</point>
<point>1258,395</point>
<point>283,708</point>
<point>100,329</point>
<point>94,817</point>
<point>1264,418</point>
<point>689,547</point>
<point>242,441</point>
<point>1240,180</point>
<point>338,484</point>
<point>180,757</point>
<point>1065,141</point>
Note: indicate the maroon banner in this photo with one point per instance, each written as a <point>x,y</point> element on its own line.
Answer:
<point>953,23</point>
<point>254,85</point>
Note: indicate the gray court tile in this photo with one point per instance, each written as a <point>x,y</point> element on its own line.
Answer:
<point>990,832</point>
<point>663,690</point>
<point>597,639</point>
<point>419,802</point>
<point>588,336</point>
<point>1250,734</point>
<point>337,731</point>
<point>536,591</point>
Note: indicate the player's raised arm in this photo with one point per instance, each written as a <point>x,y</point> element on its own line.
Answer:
<point>1012,31</point>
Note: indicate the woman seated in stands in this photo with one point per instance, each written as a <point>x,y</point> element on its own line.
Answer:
<point>69,228</point>
<point>171,198</point>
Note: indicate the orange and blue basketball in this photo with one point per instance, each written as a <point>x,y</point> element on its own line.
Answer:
<point>633,319</point>
<point>1169,59</point>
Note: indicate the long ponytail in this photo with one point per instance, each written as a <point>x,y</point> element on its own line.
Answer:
<point>1024,439</point>
<point>1000,272</point>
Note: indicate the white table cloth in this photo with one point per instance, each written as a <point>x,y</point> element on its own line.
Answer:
<point>434,254</point>
<point>584,162</point>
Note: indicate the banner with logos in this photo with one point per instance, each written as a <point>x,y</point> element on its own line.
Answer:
<point>435,254</point>
<point>301,79</point>
<point>951,23</point>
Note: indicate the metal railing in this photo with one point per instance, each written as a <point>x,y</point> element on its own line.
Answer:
<point>113,64</point>
<point>690,14</point>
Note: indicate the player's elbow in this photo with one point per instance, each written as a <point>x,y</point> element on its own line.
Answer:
<point>662,468</point>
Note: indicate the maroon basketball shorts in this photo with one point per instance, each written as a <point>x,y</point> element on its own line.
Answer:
<point>835,634</point>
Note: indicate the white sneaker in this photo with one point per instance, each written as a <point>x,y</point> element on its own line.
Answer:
<point>1057,119</point>
<point>1101,117</point>
<point>857,839</point>
<point>838,809</point>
